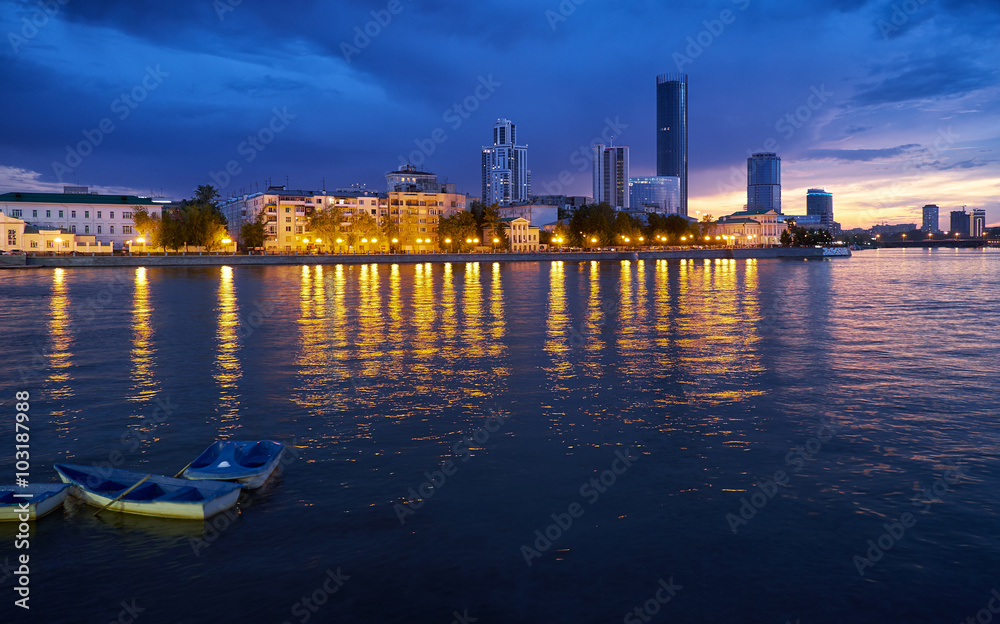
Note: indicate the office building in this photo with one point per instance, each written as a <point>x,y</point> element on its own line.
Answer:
<point>978,222</point>
<point>820,204</point>
<point>961,222</point>
<point>408,179</point>
<point>505,167</point>
<point>611,176</point>
<point>931,219</point>
<point>672,131</point>
<point>659,194</point>
<point>764,182</point>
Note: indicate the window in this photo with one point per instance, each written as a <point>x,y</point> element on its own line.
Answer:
<point>34,213</point>
<point>16,213</point>
<point>86,214</point>
<point>98,214</point>
<point>126,229</point>
<point>60,214</point>
<point>111,215</point>
<point>48,213</point>
<point>288,209</point>
<point>48,244</point>
<point>11,237</point>
<point>288,219</point>
<point>72,214</point>
<point>111,229</point>
<point>34,244</point>
<point>72,228</point>
<point>126,215</point>
<point>288,228</point>
<point>86,229</point>
<point>98,227</point>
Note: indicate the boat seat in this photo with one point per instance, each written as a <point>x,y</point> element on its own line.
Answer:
<point>187,493</point>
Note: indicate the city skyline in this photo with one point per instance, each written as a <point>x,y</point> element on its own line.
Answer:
<point>187,92</point>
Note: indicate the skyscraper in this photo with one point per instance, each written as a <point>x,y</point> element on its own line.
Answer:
<point>931,221</point>
<point>764,182</point>
<point>611,175</point>
<point>820,204</point>
<point>978,222</point>
<point>672,131</point>
<point>505,167</point>
<point>960,222</point>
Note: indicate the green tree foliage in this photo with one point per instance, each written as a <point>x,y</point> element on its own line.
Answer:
<point>801,237</point>
<point>592,221</point>
<point>786,239</point>
<point>147,226</point>
<point>491,219</point>
<point>458,227</point>
<point>326,224</point>
<point>362,226</point>
<point>252,233</point>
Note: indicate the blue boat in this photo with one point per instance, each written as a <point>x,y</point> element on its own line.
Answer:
<point>160,496</point>
<point>248,463</point>
<point>44,498</point>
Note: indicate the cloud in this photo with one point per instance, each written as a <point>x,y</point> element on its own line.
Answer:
<point>862,155</point>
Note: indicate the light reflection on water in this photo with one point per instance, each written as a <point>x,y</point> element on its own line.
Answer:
<point>711,371</point>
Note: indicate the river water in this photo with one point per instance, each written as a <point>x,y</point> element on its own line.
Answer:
<point>664,441</point>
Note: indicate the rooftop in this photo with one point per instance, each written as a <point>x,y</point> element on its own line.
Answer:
<point>73,198</point>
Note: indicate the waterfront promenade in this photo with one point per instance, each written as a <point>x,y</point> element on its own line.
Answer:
<point>213,259</point>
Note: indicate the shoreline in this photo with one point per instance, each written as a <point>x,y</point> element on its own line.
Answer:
<point>221,259</point>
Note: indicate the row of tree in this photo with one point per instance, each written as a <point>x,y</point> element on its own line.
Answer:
<point>796,236</point>
<point>600,225</point>
<point>195,222</point>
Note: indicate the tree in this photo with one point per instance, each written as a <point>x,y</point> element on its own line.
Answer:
<point>786,239</point>
<point>362,226</point>
<point>147,226</point>
<point>491,219</point>
<point>253,233</point>
<point>592,221</point>
<point>326,224</point>
<point>458,227</point>
<point>206,195</point>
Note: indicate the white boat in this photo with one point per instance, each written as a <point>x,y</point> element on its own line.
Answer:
<point>45,498</point>
<point>160,496</point>
<point>248,463</point>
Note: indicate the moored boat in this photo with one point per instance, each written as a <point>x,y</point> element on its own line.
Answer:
<point>44,498</point>
<point>249,463</point>
<point>160,496</point>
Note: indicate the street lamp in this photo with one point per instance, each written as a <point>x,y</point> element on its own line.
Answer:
<point>58,242</point>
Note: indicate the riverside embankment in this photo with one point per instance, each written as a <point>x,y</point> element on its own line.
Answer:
<point>582,256</point>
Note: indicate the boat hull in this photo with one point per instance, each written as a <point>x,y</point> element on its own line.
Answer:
<point>206,500</point>
<point>45,499</point>
<point>226,461</point>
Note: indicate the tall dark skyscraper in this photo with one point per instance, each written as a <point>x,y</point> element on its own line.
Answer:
<point>672,131</point>
<point>764,182</point>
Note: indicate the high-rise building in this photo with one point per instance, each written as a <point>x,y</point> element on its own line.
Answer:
<point>978,222</point>
<point>611,175</point>
<point>960,222</point>
<point>672,131</point>
<point>764,182</point>
<point>659,194</point>
<point>820,204</point>
<point>505,167</point>
<point>931,221</point>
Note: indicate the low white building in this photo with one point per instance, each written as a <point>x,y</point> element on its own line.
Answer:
<point>108,218</point>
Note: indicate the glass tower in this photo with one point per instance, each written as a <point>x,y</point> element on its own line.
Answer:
<point>764,182</point>
<point>672,131</point>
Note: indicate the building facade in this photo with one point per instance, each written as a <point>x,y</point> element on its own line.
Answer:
<point>672,131</point>
<point>505,167</point>
<point>611,175</point>
<point>961,222</point>
<point>521,235</point>
<point>978,222</point>
<point>764,182</point>
<point>751,228</point>
<point>931,221</point>
<point>820,203</point>
<point>108,218</point>
<point>659,194</point>
<point>407,178</point>
<point>537,214</point>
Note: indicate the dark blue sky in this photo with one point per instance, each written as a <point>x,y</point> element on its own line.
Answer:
<point>892,104</point>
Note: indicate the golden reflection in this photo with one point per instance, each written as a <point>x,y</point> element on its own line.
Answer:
<point>228,370</point>
<point>144,383</point>
<point>472,309</point>
<point>496,308</point>
<point>59,356</point>
<point>557,329</point>
<point>449,313</point>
